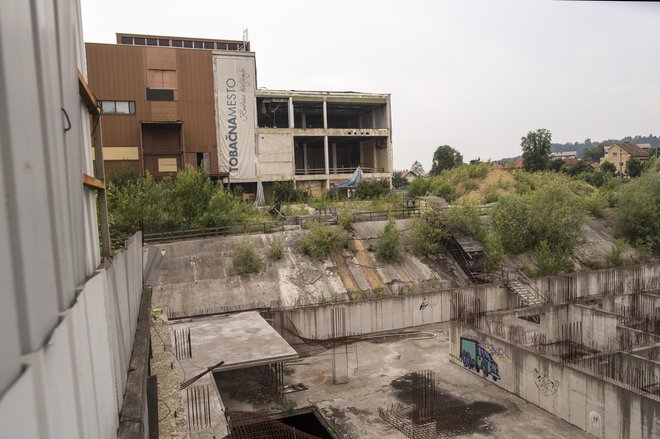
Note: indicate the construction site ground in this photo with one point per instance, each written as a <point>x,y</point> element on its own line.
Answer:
<point>380,371</point>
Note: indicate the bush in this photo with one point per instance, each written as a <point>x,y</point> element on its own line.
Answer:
<point>638,215</point>
<point>246,259</point>
<point>276,248</point>
<point>284,191</point>
<point>320,239</point>
<point>388,246</point>
<point>190,195</point>
<point>551,260</point>
<point>345,221</point>
<point>368,189</point>
<point>419,187</point>
<point>224,209</point>
<point>615,258</point>
<point>427,233</point>
<point>595,204</point>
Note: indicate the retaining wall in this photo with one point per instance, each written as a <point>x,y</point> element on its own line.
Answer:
<point>598,406</point>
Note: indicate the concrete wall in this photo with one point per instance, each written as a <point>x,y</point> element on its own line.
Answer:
<point>275,156</point>
<point>598,406</point>
<point>73,386</point>
<point>617,280</point>
<point>368,316</point>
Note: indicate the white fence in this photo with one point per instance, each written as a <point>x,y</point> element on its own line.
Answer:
<point>73,386</point>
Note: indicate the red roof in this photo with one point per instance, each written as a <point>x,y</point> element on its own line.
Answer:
<point>634,150</point>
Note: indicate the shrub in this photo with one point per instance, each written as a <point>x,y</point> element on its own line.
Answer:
<point>595,204</point>
<point>368,189</point>
<point>224,209</point>
<point>246,259</point>
<point>276,248</point>
<point>320,239</point>
<point>551,260</point>
<point>377,291</point>
<point>190,195</point>
<point>284,191</point>
<point>388,246</point>
<point>345,221</point>
<point>615,258</point>
<point>419,187</point>
<point>638,215</point>
<point>427,233</point>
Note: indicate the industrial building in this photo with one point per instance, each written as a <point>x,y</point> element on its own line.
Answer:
<point>172,102</point>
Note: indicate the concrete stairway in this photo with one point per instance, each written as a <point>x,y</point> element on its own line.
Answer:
<point>528,296</point>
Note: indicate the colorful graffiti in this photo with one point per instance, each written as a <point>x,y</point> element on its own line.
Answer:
<point>478,356</point>
<point>545,383</point>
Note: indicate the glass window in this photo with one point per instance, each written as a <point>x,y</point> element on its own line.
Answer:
<point>140,41</point>
<point>108,106</point>
<point>199,45</point>
<point>208,45</point>
<point>187,44</point>
<point>122,107</point>
<point>177,43</point>
<point>131,107</point>
<point>152,42</point>
<point>163,42</point>
<point>127,40</point>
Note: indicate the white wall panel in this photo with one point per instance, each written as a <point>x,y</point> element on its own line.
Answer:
<point>18,408</point>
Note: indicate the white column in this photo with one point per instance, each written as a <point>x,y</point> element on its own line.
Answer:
<point>291,120</point>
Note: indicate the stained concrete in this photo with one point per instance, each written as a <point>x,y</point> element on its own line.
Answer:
<point>377,376</point>
<point>196,277</point>
<point>240,340</point>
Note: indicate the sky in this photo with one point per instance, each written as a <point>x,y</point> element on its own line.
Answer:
<point>475,75</point>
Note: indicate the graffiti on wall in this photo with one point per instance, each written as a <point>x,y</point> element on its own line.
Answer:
<point>545,383</point>
<point>478,355</point>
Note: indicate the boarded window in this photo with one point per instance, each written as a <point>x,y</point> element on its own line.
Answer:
<point>162,79</point>
<point>167,164</point>
<point>160,95</point>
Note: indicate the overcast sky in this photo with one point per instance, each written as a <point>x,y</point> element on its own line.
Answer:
<point>473,75</point>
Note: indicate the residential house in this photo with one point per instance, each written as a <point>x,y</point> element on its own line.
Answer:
<point>619,155</point>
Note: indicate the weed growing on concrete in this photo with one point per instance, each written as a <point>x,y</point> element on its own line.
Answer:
<point>345,221</point>
<point>276,248</point>
<point>320,239</point>
<point>377,291</point>
<point>246,259</point>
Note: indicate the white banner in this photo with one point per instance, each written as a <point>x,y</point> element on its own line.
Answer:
<point>235,83</point>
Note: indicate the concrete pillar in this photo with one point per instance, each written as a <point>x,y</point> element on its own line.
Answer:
<point>304,121</point>
<point>327,162</point>
<point>340,364</point>
<point>291,119</point>
<point>334,157</point>
<point>305,157</point>
<point>325,114</point>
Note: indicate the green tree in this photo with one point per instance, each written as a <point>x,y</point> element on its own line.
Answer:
<point>388,246</point>
<point>536,149</point>
<point>445,157</point>
<point>593,153</point>
<point>634,167</point>
<point>398,181</point>
<point>608,168</point>
<point>190,195</point>
<point>419,187</point>
<point>638,215</point>
<point>417,168</point>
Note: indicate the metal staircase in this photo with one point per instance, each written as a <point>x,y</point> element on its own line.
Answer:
<point>520,285</point>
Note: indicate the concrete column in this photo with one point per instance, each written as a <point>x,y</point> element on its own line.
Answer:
<point>327,162</point>
<point>305,157</point>
<point>340,364</point>
<point>325,114</point>
<point>375,153</point>
<point>334,157</point>
<point>304,121</point>
<point>291,119</point>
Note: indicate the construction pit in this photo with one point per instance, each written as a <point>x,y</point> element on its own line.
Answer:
<point>382,365</point>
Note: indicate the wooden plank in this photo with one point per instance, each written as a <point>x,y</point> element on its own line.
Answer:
<point>87,95</point>
<point>92,182</point>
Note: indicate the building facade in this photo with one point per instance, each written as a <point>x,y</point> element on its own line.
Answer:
<point>619,155</point>
<point>171,102</point>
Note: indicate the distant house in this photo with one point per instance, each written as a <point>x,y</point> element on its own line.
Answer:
<point>619,155</point>
<point>408,175</point>
<point>644,146</point>
<point>496,165</point>
<point>564,155</point>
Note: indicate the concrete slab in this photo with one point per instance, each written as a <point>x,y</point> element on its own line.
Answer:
<point>240,340</point>
<point>379,375</point>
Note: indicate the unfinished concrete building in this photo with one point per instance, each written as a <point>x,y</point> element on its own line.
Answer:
<point>171,102</point>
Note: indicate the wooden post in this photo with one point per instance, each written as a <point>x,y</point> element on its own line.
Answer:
<point>99,173</point>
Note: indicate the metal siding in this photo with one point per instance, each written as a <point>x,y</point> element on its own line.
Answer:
<point>25,181</point>
<point>18,407</point>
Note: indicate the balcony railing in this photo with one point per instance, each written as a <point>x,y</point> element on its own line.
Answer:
<point>321,171</point>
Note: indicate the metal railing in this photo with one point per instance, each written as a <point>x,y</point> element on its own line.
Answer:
<point>350,170</point>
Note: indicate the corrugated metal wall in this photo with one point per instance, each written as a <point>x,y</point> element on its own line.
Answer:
<point>67,329</point>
